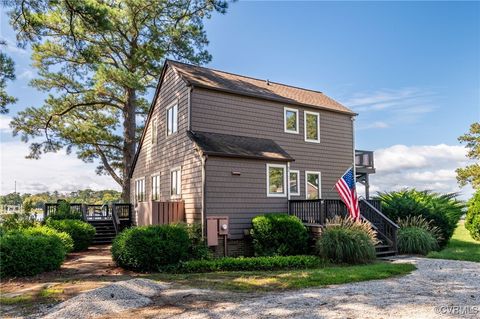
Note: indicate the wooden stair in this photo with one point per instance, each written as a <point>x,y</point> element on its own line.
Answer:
<point>105,231</point>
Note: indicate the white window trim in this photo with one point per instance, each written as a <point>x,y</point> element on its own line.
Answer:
<point>179,185</point>
<point>154,132</point>
<point>285,109</point>
<point>298,182</point>
<point>319,183</point>
<point>305,126</point>
<point>151,186</point>
<point>285,185</point>
<point>171,105</point>
<point>144,190</point>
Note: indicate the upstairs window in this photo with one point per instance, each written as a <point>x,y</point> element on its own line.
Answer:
<point>276,180</point>
<point>313,185</point>
<point>154,132</point>
<point>175,183</point>
<point>172,119</point>
<point>156,187</point>
<point>294,182</point>
<point>290,118</point>
<point>312,127</point>
<point>140,190</point>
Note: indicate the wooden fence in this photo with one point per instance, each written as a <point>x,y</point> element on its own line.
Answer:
<point>160,213</point>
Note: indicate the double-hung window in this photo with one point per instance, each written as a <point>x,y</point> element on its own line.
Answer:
<point>294,182</point>
<point>312,127</point>
<point>290,119</point>
<point>172,119</point>
<point>155,187</point>
<point>313,182</point>
<point>140,190</point>
<point>276,180</point>
<point>175,182</point>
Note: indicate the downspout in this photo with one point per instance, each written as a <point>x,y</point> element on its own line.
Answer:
<point>288,187</point>
<point>353,145</point>
<point>189,107</point>
<point>204,187</point>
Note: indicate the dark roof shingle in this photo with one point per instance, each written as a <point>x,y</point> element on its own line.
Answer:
<point>239,84</point>
<point>239,146</point>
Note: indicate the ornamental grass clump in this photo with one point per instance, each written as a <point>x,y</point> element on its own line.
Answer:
<point>344,240</point>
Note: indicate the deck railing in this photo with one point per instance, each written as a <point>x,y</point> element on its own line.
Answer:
<point>364,159</point>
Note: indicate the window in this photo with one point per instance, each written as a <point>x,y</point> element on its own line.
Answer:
<point>154,132</point>
<point>290,118</point>
<point>313,185</point>
<point>156,187</point>
<point>140,190</point>
<point>172,119</point>
<point>312,127</point>
<point>276,180</point>
<point>294,182</point>
<point>175,182</point>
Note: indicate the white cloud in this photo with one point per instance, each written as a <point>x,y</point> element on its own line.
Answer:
<point>425,167</point>
<point>27,74</point>
<point>377,124</point>
<point>54,171</point>
<point>5,123</point>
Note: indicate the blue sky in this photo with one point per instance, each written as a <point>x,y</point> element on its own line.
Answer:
<point>410,69</point>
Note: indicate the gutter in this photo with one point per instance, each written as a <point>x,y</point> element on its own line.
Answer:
<point>204,158</point>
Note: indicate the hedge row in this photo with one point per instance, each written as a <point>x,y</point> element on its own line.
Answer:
<point>250,264</point>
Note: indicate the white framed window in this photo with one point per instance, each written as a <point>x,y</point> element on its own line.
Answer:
<point>156,187</point>
<point>313,185</point>
<point>276,180</point>
<point>290,120</point>
<point>175,182</point>
<point>294,182</point>
<point>312,127</point>
<point>154,132</point>
<point>140,189</point>
<point>172,119</point>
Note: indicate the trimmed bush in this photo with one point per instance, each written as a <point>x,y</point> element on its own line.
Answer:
<point>64,212</point>
<point>344,240</point>
<point>443,210</point>
<point>151,248</point>
<point>250,264</point>
<point>81,232</point>
<point>67,241</point>
<point>18,221</point>
<point>198,247</point>
<point>27,253</point>
<point>279,235</point>
<point>472,220</point>
<point>415,240</point>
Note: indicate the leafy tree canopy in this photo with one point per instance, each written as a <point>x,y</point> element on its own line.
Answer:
<point>471,173</point>
<point>7,73</point>
<point>97,59</point>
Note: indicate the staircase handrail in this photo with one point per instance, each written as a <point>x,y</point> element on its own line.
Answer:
<point>379,213</point>
<point>115,219</point>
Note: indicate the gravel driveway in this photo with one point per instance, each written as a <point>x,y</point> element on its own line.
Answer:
<point>436,283</point>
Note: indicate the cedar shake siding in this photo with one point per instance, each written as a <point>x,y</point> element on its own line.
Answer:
<point>219,112</point>
<point>172,151</point>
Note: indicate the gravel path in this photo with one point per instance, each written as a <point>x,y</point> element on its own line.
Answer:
<point>436,283</point>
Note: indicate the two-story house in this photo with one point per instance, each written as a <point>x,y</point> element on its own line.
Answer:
<point>235,147</point>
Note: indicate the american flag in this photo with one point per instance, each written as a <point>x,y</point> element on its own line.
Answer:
<point>346,188</point>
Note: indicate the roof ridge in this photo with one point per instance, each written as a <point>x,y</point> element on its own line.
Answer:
<point>246,76</point>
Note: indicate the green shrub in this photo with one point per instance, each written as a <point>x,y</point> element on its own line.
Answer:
<point>250,264</point>
<point>26,253</point>
<point>279,234</point>
<point>415,240</point>
<point>420,222</point>
<point>344,240</point>
<point>64,212</point>
<point>150,248</point>
<point>44,230</point>
<point>443,210</point>
<point>198,247</point>
<point>472,220</point>
<point>82,233</point>
<point>18,221</point>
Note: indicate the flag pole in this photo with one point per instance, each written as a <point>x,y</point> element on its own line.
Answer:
<point>353,144</point>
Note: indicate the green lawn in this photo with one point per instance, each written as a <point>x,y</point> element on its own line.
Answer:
<point>251,281</point>
<point>460,247</point>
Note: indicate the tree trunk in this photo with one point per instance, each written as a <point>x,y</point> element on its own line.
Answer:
<point>129,127</point>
